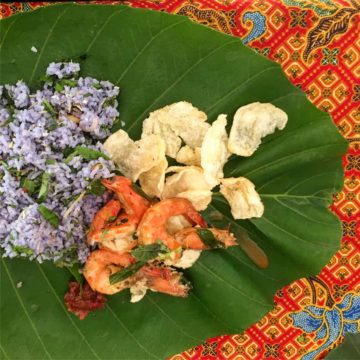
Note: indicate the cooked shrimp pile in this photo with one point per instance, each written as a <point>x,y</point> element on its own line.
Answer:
<point>140,243</point>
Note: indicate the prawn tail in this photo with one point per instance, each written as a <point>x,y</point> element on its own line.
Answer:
<point>225,237</point>
<point>167,281</point>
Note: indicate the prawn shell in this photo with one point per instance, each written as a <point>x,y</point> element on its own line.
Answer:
<point>101,264</point>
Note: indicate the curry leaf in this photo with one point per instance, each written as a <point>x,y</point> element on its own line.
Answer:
<point>208,238</point>
<point>126,272</point>
<point>149,252</point>
<point>151,56</point>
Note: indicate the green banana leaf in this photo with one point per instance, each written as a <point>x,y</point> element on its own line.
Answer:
<point>349,350</point>
<point>158,59</point>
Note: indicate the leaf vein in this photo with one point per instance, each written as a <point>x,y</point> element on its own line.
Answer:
<point>171,319</point>
<point>183,75</point>
<point>46,41</point>
<point>304,181</point>
<point>149,42</point>
<point>301,214</point>
<point>130,333</point>
<point>294,186</point>
<point>251,267</point>
<point>192,294</point>
<point>270,164</point>
<point>238,88</point>
<point>24,309</point>
<point>295,236</point>
<point>8,29</point>
<point>66,312</point>
<point>3,351</point>
<point>295,93</point>
<point>310,196</point>
<point>91,44</point>
<point>354,344</point>
<point>232,286</point>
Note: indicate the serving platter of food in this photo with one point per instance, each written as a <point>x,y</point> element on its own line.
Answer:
<point>158,162</point>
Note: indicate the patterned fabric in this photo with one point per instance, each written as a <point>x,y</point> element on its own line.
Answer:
<point>317,43</point>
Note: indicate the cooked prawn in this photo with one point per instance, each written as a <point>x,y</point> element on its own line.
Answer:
<point>133,203</point>
<point>101,264</point>
<point>165,280</point>
<point>152,227</point>
<point>189,238</point>
<point>113,230</point>
<point>117,237</point>
<point>104,217</point>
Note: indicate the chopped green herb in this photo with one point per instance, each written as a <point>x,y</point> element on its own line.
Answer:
<point>103,234</point>
<point>97,86</point>
<point>60,85</point>
<point>29,185</point>
<point>46,79</point>
<point>44,188</point>
<point>22,250</point>
<point>5,165</point>
<point>86,153</point>
<point>116,125</point>
<point>70,199</point>
<point>90,154</point>
<point>69,256</point>
<point>208,238</point>
<point>67,151</point>
<point>49,216</point>
<point>122,221</point>
<point>52,125</point>
<point>50,162</point>
<point>111,219</point>
<point>12,171</point>
<point>149,252</point>
<point>70,82</point>
<point>109,102</point>
<point>7,96</point>
<point>125,273</point>
<point>8,121</point>
<point>48,107</point>
<point>70,157</point>
<point>96,188</point>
